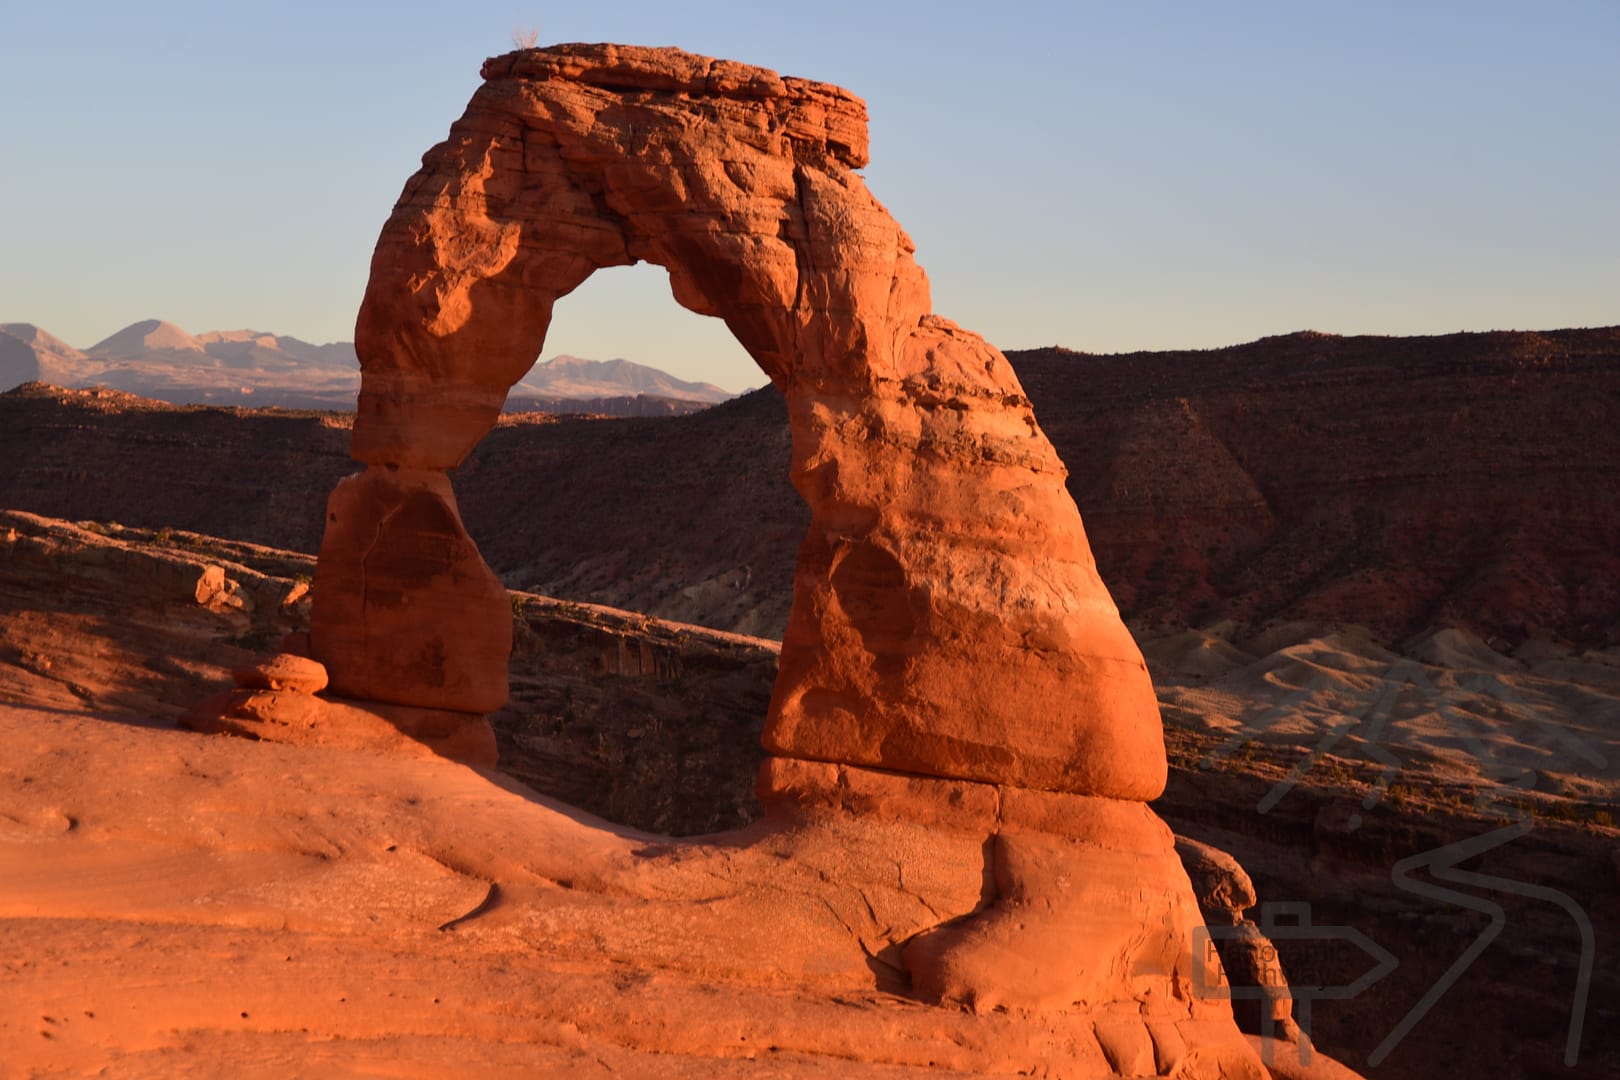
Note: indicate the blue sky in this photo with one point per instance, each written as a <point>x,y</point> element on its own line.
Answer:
<point>1106,176</point>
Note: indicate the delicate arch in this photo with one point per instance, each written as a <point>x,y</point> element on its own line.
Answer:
<point>947,616</point>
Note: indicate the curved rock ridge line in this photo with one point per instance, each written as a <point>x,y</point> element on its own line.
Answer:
<point>947,617</point>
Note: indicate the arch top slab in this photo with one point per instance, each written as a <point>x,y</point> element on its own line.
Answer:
<point>738,181</point>
<point>947,617</point>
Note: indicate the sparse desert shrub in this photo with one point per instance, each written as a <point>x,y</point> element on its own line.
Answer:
<point>525,37</point>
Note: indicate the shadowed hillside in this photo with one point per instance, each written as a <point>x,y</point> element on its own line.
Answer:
<point>1471,479</point>
<point>1397,483</point>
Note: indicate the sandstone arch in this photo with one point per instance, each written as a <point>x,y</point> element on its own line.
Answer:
<point>947,618</point>
<point>964,733</point>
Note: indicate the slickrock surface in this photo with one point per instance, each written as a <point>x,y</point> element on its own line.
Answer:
<point>656,726</point>
<point>129,621</point>
<point>173,903</point>
<point>247,905</point>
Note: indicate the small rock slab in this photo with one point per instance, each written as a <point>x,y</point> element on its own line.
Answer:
<point>283,671</point>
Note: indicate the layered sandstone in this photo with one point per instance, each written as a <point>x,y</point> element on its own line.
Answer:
<point>409,613</point>
<point>947,617</point>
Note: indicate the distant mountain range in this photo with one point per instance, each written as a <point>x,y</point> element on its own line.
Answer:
<point>571,377</point>
<point>157,359</point>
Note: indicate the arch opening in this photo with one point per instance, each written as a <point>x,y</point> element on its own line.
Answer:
<point>674,510</point>
<point>628,313</point>
<point>687,517</point>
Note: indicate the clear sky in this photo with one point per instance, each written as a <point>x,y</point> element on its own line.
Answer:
<point>1105,176</point>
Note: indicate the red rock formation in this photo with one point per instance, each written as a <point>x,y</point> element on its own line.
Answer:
<point>409,613</point>
<point>283,671</point>
<point>947,618</point>
<point>954,681</point>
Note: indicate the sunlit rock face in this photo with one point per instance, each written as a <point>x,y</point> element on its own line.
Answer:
<point>947,618</point>
<point>409,612</point>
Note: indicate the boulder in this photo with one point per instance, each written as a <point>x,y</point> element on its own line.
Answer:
<point>283,671</point>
